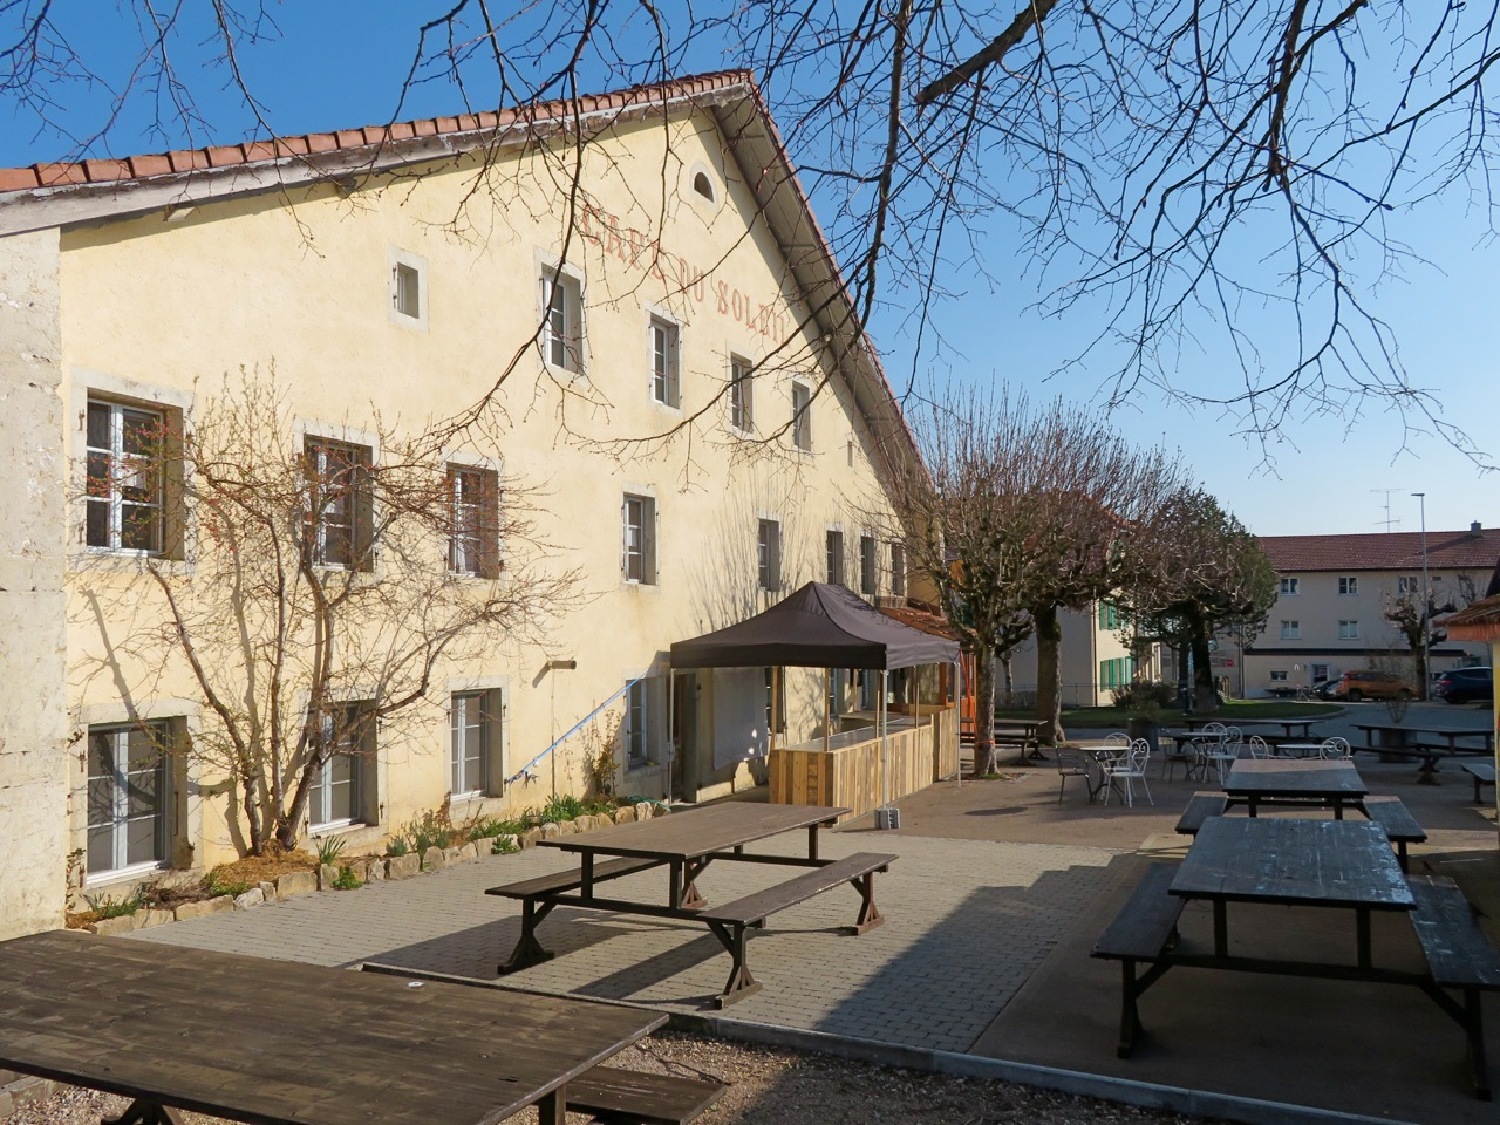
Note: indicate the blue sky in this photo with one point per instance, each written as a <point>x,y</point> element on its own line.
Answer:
<point>339,63</point>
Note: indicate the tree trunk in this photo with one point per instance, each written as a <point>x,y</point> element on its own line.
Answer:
<point>984,710</point>
<point>1204,696</point>
<point>1048,676</point>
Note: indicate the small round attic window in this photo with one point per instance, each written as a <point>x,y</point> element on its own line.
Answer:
<point>704,186</point>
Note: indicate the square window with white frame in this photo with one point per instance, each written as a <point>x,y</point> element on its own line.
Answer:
<point>802,417</point>
<point>639,723</point>
<point>1291,586</point>
<point>128,448</point>
<point>741,395</point>
<point>1278,677</point>
<point>127,797</point>
<point>562,328</point>
<point>475,759</point>
<point>1408,585</point>
<point>344,738</point>
<point>1291,630</point>
<point>898,570</point>
<point>474,528</point>
<point>666,379</point>
<point>1348,587</point>
<point>1348,630</point>
<point>340,520</point>
<point>867,566</point>
<point>768,555</point>
<point>638,548</point>
<point>833,550</point>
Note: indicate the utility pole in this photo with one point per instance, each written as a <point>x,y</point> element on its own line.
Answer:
<point>1426,602</point>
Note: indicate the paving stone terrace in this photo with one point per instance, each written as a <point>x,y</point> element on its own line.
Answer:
<point>951,906</point>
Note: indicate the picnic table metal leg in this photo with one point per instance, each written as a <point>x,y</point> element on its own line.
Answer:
<point>528,951</point>
<point>1221,928</point>
<point>144,1112</point>
<point>1362,936</point>
<point>1474,1030</point>
<point>812,841</point>
<point>1130,1017</point>
<point>689,898</point>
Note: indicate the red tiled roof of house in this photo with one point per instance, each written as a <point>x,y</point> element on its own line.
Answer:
<point>1383,550</point>
<point>924,620</point>
<point>50,175</point>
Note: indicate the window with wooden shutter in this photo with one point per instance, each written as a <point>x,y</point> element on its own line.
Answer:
<point>341,505</point>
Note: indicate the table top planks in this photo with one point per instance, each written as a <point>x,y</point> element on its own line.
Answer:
<point>1308,862</point>
<point>285,1043</point>
<point>1281,777</point>
<point>696,833</point>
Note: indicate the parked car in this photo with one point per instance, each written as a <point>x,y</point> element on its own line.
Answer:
<point>1466,685</point>
<point>1367,683</point>
<point>1326,689</point>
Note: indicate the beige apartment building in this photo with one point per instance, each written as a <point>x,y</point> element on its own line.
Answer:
<point>669,377</point>
<point>1330,612</point>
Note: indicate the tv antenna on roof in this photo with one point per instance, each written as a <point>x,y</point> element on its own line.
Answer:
<point>1388,521</point>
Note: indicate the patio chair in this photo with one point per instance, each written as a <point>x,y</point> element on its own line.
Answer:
<point>1069,765</point>
<point>1336,748</point>
<point>1189,755</point>
<point>1130,768</point>
<point>1259,747</point>
<point>1222,755</point>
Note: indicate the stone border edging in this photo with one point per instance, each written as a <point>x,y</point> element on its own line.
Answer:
<point>1129,1091</point>
<point>296,884</point>
<point>1148,1095</point>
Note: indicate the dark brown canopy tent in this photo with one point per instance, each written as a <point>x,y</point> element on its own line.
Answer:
<point>820,626</point>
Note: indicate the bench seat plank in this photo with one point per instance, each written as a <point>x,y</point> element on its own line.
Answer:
<point>630,1095</point>
<point>1200,808</point>
<point>1147,921</point>
<point>755,907</point>
<point>1458,951</point>
<point>569,879</point>
<point>1395,819</point>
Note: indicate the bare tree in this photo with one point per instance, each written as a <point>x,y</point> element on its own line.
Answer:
<point>1024,513</point>
<point>1414,622</point>
<point>329,582</point>
<point>1171,175</point>
<point>1196,570</point>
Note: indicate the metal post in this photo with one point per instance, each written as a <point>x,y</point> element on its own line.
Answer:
<point>1426,604</point>
<point>671,732</point>
<point>883,718</point>
<point>827,707</point>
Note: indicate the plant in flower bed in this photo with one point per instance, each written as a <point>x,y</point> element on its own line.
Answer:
<point>346,880</point>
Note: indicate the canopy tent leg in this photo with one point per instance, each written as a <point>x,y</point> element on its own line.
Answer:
<point>827,706</point>
<point>671,732</point>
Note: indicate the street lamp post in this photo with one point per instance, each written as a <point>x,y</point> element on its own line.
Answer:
<point>1426,602</point>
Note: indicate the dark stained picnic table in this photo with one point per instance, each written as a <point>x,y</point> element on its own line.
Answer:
<point>1256,780</point>
<point>687,842</point>
<point>256,1040</point>
<point>1329,863</point>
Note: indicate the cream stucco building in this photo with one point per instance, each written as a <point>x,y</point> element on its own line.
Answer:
<point>665,281</point>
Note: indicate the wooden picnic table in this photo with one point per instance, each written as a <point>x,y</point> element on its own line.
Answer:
<point>1405,741</point>
<point>274,1042</point>
<point>1256,780</point>
<point>1286,726</point>
<point>685,844</point>
<point>1333,863</point>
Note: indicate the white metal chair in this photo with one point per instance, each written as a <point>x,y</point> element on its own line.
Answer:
<point>1222,754</point>
<point>1336,748</point>
<point>1130,768</point>
<point>1259,747</point>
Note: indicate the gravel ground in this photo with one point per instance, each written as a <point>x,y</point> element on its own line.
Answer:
<point>773,1086</point>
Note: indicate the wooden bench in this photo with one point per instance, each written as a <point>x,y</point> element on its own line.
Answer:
<point>1460,957</point>
<point>1145,928</point>
<point>730,921</point>
<point>1396,821</point>
<point>1200,808</point>
<point>1483,773</point>
<point>528,950</point>
<point>612,1094</point>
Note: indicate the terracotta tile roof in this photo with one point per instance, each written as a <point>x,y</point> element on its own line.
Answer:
<point>924,620</point>
<point>1393,550</point>
<point>371,136</point>
<point>1477,622</point>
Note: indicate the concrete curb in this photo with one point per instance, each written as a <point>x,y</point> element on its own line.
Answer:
<point>1148,1095</point>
